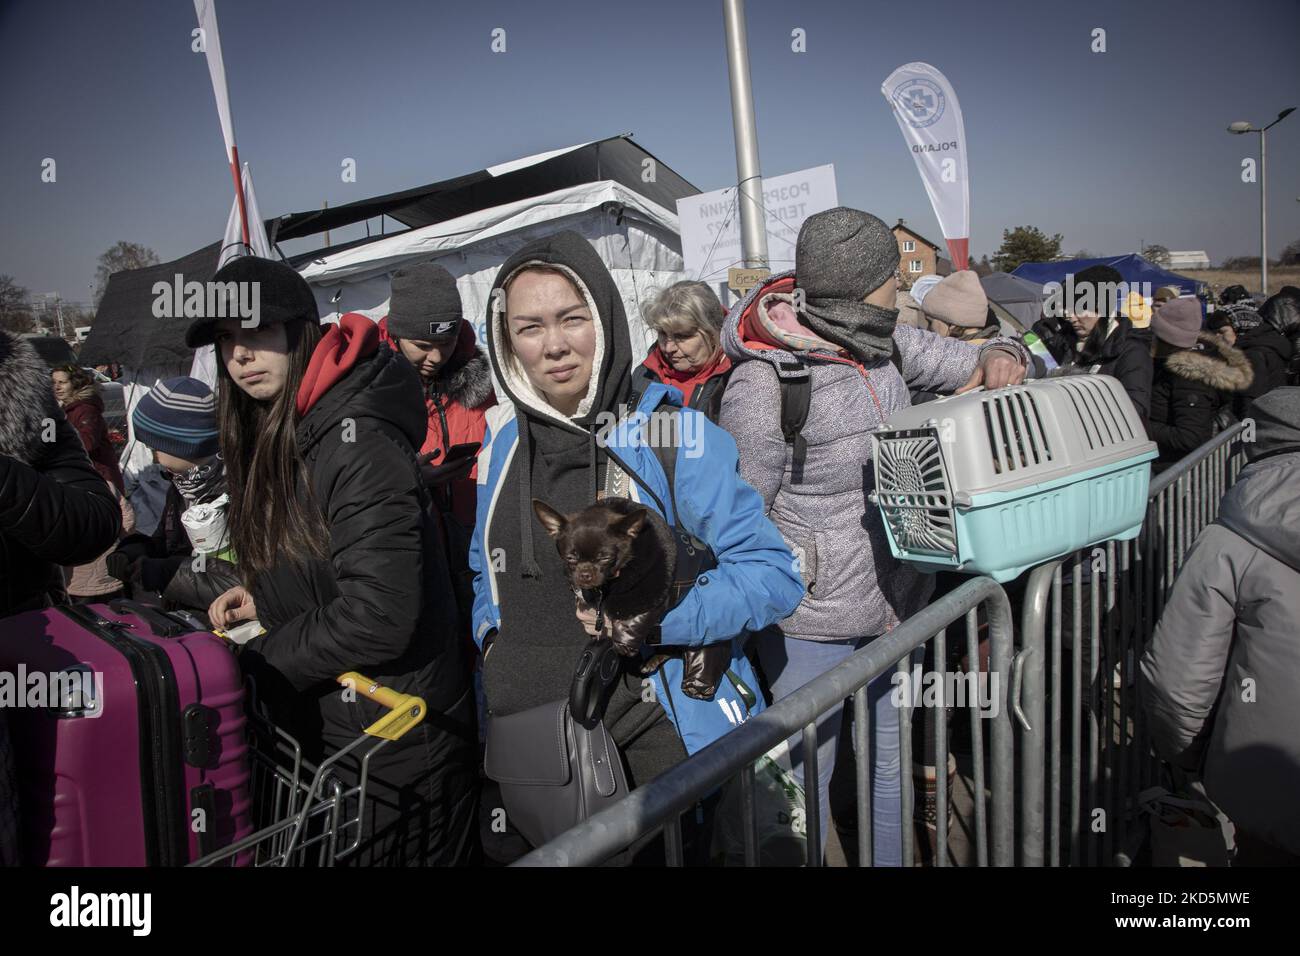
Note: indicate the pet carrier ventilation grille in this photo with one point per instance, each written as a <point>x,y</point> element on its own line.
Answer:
<point>918,504</point>
<point>996,482</point>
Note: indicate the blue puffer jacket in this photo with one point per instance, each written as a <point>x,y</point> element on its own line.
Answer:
<point>755,584</point>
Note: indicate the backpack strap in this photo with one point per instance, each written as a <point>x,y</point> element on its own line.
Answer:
<point>796,397</point>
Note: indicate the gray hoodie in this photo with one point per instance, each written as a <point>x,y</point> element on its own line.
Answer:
<point>855,587</point>
<point>1221,676</point>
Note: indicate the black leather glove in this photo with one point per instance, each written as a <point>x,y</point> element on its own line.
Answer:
<point>703,669</point>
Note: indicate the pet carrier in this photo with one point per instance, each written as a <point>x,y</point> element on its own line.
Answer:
<point>997,482</point>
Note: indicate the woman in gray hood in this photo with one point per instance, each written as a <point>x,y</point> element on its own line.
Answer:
<point>833,319</point>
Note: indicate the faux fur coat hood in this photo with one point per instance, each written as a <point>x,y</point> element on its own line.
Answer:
<point>1215,364</point>
<point>26,399</point>
<point>55,509</point>
<point>469,383</point>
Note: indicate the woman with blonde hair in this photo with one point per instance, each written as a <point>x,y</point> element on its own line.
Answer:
<point>78,395</point>
<point>687,318</point>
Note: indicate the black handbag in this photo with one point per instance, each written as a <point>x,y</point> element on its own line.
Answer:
<point>556,763</point>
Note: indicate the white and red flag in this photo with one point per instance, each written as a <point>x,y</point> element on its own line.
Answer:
<point>244,232</point>
<point>929,115</point>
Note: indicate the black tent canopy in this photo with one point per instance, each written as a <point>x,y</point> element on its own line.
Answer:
<point>617,158</point>
<point>126,331</point>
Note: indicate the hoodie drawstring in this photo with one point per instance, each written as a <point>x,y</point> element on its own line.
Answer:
<point>529,567</point>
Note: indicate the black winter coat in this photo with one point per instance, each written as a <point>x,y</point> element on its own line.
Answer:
<point>1124,354</point>
<point>1189,389</point>
<point>383,605</point>
<point>1282,312</point>
<point>1269,353</point>
<point>1057,335</point>
<point>55,509</point>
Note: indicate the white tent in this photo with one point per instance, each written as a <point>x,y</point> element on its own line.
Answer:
<point>636,238</point>
<point>612,191</point>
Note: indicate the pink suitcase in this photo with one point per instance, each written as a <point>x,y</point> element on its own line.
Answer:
<point>154,773</point>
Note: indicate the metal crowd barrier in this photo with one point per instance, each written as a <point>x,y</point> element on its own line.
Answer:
<point>1083,753</point>
<point>658,806</point>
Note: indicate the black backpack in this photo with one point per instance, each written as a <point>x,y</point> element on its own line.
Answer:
<point>796,396</point>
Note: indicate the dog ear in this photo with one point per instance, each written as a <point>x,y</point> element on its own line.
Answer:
<point>551,519</point>
<point>631,524</point>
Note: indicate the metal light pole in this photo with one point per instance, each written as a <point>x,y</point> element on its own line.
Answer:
<point>753,223</point>
<point>1242,127</point>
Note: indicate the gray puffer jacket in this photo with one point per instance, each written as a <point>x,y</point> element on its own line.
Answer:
<point>1221,677</point>
<point>855,587</point>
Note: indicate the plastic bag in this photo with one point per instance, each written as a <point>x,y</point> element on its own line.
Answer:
<point>1185,831</point>
<point>781,811</point>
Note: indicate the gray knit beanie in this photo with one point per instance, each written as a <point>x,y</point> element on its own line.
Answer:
<point>841,255</point>
<point>424,303</point>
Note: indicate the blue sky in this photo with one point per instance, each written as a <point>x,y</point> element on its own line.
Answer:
<point>1108,149</point>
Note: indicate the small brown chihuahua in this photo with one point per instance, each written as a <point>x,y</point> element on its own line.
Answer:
<point>620,556</point>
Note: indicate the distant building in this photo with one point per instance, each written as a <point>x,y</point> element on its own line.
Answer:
<point>917,255</point>
<point>1189,259</point>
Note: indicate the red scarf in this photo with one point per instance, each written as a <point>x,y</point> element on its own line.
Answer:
<point>686,381</point>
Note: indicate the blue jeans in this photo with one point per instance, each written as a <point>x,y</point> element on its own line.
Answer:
<point>788,664</point>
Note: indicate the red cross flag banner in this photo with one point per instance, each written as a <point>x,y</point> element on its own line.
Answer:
<point>929,116</point>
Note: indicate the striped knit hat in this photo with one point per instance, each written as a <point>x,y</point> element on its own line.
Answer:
<point>179,417</point>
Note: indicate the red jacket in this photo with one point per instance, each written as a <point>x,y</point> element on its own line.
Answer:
<point>86,414</point>
<point>457,403</point>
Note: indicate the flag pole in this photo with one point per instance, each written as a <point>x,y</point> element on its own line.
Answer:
<point>753,225</point>
<point>239,193</point>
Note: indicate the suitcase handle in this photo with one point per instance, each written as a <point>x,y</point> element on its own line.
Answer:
<point>162,623</point>
<point>404,710</point>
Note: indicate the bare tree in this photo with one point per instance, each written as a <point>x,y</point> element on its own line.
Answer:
<point>15,306</point>
<point>122,255</point>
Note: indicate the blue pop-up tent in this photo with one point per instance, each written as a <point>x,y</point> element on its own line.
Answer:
<point>1132,268</point>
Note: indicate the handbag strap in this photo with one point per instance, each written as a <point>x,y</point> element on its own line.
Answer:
<point>598,668</point>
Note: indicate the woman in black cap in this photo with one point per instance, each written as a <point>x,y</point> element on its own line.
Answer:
<point>342,566</point>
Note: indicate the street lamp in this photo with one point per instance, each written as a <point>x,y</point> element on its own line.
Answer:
<point>1239,127</point>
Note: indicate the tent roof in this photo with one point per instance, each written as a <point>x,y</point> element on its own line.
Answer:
<point>126,331</point>
<point>1133,268</point>
<point>617,158</point>
<point>382,254</point>
<point>1004,287</point>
